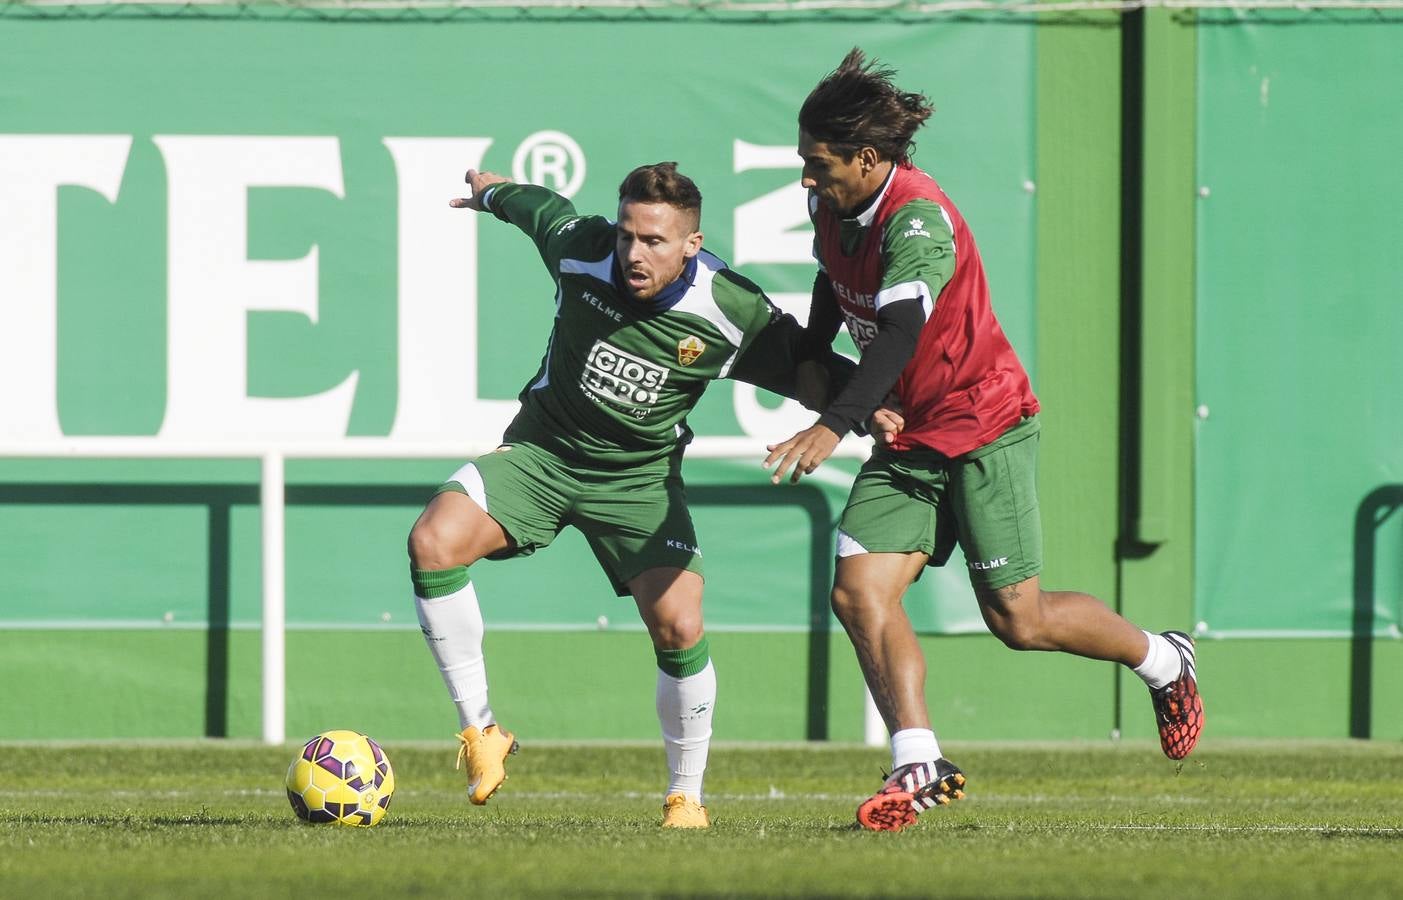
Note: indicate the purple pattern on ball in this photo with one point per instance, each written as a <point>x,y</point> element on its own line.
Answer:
<point>299,805</point>
<point>309,752</point>
<point>324,747</point>
<point>321,816</point>
<point>332,765</point>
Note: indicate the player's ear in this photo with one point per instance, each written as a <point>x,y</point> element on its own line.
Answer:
<point>692,245</point>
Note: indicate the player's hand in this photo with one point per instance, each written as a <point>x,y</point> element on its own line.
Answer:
<point>887,422</point>
<point>805,452</point>
<point>479,182</point>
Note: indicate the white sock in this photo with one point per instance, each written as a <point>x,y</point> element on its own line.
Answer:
<point>453,629</point>
<point>684,712</point>
<point>1162,663</point>
<point>913,745</point>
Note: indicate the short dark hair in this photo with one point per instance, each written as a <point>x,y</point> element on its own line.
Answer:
<point>662,183</point>
<point>856,105</point>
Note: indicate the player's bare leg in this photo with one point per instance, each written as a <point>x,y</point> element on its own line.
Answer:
<point>1025,617</point>
<point>670,603</point>
<point>453,532</point>
<point>867,593</point>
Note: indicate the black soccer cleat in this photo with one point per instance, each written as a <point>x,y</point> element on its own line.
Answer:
<point>909,791</point>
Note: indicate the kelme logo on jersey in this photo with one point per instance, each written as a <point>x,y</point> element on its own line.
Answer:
<point>689,348</point>
<point>621,380</point>
<point>917,229</point>
<point>849,297</point>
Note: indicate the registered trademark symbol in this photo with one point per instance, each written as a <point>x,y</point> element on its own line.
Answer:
<point>551,159</point>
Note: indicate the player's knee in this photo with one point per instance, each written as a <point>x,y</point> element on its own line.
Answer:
<point>429,547</point>
<point>1016,636</point>
<point>1019,630</point>
<point>1015,615</point>
<point>848,601</point>
<point>678,632</point>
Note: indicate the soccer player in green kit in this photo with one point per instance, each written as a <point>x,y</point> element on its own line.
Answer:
<point>899,265</point>
<point>645,320</point>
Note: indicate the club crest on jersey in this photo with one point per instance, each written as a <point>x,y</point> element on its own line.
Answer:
<point>689,349</point>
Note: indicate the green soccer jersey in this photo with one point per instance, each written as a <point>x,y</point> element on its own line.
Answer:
<point>620,375</point>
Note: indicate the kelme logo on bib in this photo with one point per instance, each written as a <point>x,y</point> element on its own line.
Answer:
<point>689,348</point>
<point>622,381</point>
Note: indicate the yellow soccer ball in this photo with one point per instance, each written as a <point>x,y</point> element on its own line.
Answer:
<point>342,777</point>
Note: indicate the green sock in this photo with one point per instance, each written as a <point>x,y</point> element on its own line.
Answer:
<point>681,663</point>
<point>431,584</point>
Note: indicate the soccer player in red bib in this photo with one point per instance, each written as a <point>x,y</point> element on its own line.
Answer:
<point>899,266</point>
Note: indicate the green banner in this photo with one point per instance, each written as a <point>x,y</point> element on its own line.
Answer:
<point>1300,441</point>
<point>237,229</point>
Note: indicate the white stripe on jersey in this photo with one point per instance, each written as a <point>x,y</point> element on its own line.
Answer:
<point>907,290</point>
<point>544,380</point>
<point>601,269</point>
<point>918,289</point>
<point>699,302</point>
<point>954,247</point>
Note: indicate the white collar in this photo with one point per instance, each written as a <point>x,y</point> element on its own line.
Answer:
<point>865,217</point>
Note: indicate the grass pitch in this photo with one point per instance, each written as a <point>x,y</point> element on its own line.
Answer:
<point>210,819</point>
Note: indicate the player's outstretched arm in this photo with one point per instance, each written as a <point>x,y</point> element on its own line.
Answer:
<point>479,182</point>
<point>778,360</point>
<point>806,451</point>
<point>539,212</point>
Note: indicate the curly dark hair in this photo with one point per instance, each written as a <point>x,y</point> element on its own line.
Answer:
<point>662,183</point>
<point>857,105</point>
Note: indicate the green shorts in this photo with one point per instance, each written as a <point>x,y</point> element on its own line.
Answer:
<point>921,500</point>
<point>634,519</point>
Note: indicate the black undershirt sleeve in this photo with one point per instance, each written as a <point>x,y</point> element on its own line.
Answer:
<point>824,319</point>
<point>899,324</point>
